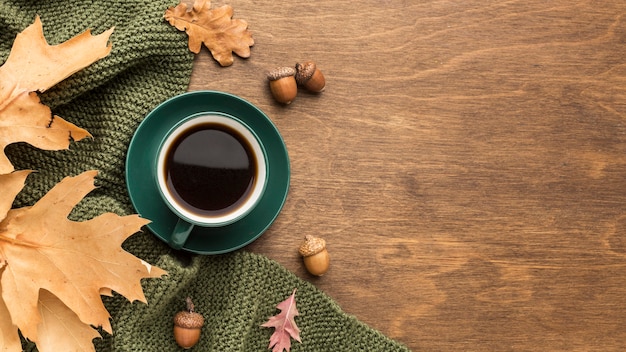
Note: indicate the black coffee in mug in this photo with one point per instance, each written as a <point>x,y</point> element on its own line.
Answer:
<point>210,169</point>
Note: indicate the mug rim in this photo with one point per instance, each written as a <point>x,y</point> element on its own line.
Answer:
<point>257,191</point>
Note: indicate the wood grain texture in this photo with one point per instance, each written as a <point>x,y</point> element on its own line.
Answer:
<point>466,164</point>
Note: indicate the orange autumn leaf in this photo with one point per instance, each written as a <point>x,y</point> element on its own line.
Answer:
<point>60,329</point>
<point>214,28</point>
<point>34,66</point>
<point>9,338</point>
<point>54,270</point>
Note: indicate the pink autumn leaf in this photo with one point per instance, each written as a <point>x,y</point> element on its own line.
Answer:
<point>284,325</point>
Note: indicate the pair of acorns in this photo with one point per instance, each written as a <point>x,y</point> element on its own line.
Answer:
<point>284,81</point>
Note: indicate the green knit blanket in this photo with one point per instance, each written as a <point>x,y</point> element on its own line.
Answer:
<point>149,63</point>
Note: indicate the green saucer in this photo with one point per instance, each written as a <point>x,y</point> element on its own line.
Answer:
<point>142,184</point>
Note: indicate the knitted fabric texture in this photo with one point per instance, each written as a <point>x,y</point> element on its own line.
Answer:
<point>149,63</point>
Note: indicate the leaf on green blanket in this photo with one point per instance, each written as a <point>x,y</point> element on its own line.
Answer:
<point>34,66</point>
<point>284,325</point>
<point>53,270</point>
<point>60,328</point>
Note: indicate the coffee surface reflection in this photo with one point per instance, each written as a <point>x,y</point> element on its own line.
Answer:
<point>210,169</point>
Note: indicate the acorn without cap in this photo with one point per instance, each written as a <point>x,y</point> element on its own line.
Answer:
<point>187,326</point>
<point>309,76</point>
<point>283,84</point>
<point>315,256</point>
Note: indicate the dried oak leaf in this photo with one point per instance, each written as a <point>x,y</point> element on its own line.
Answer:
<point>53,271</point>
<point>221,34</point>
<point>34,66</point>
<point>60,328</point>
<point>284,325</point>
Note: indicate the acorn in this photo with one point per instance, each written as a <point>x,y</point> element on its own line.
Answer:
<point>315,256</point>
<point>309,76</point>
<point>283,84</point>
<point>187,326</point>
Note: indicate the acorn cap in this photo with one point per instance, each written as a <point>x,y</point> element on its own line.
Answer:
<point>188,318</point>
<point>305,71</point>
<point>280,72</point>
<point>311,246</point>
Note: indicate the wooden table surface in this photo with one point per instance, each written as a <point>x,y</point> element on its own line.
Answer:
<point>466,164</point>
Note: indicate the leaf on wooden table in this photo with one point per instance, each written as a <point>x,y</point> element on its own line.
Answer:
<point>221,34</point>
<point>55,269</point>
<point>34,66</point>
<point>284,325</point>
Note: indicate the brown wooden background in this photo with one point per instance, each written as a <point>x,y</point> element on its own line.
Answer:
<point>466,164</point>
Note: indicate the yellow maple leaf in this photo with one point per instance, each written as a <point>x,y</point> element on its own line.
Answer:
<point>221,34</point>
<point>34,66</point>
<point>54,270</point>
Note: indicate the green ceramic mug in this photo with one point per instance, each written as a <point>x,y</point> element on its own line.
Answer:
<point>211,171</point>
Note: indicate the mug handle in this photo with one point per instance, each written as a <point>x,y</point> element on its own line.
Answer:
<point>181,232</point>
